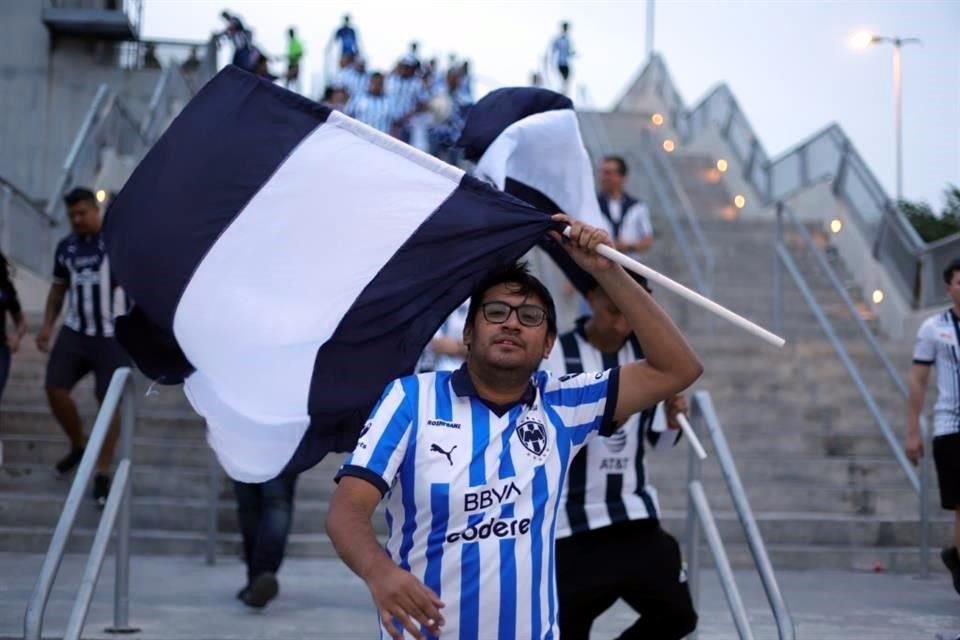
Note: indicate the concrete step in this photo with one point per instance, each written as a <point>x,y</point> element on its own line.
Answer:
<point>39,449</point>
<point>152,422</point>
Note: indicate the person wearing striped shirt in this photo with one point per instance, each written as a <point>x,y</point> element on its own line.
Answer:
<point>374,107</point>
<point>86,342</point>
<point>609,541</point>
<point>472,462</point>
<point>938,345</point>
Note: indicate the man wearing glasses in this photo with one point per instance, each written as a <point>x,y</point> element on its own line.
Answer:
<point>473,461</point>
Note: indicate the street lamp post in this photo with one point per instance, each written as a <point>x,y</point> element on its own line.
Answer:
<point>864,40</point>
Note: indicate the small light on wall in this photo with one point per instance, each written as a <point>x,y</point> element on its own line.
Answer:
<point>101,195</point>
<point>739,201</point>
<point>836,225</point>
<point>657,119</point>
<point>722,165</point>
<point>877,296</point>
<point>669,146</point>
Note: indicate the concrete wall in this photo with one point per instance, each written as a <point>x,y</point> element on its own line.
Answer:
<point>46,88</point>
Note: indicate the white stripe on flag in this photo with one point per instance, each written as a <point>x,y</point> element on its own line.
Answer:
<point>302,250</point>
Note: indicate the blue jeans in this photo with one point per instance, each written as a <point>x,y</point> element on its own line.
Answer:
<point>265,512</point>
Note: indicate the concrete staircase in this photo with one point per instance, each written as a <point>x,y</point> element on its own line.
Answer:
<point>823,483</point>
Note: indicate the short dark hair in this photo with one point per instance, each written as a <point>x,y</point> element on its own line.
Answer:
<point>949,271</point>
<point>619,161</point>
<point>518,274</point>
<point>79,194</point>
<point>376,74</point>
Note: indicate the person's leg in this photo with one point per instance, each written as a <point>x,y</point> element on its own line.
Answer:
<point>655,585</point>
<point>946,457</point>
<point>248,517</point>
<point>4,367</point>
<point>65,367</point>
<point>276,517</point>
<point>107,356</point>
<point>583,589</point>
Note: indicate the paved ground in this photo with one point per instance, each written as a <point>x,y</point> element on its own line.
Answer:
<point>180,599</point>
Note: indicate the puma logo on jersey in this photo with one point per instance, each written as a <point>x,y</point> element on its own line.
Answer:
<point>435,448</point>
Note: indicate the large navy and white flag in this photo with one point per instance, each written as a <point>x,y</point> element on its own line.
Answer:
<point>286,262</point>
<point>527,142</point>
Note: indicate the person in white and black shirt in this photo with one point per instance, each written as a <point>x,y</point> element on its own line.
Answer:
<point>86,342</point>
<point>628,216</point>
<point>609,541</point>
<point>938,345</point>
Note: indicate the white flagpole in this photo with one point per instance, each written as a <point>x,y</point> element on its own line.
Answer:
<point>691,436</point>
<point>632,265</point>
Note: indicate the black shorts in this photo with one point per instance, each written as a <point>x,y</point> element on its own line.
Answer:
<point>74,355</point>
<point>564,71</point>
<point>946,457</point>
<point>636,561</point>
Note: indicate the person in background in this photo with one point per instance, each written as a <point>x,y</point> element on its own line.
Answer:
<point>294,55</point>
<point>347,36</point>
<point>629,217</point>
<point>265,514</point>
<point>446,352</point>
<point>150,60</point>
<point>561,50</point>
<point>9,305</point>
<point>192,63</point>
<point>610,545</point>
<point>334,98</point>
<point>373,107</point>
<point>936,346</point>
<point>405,91</point>
<point>86,342</point>
<point>352,75</point>
<point>244,54</point>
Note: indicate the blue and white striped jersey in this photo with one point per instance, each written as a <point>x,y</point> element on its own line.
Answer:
<point>95,298</point>
<point>405,93</point>
<point>938,344</point>
<point>473,491</point>
<point>377,111</point>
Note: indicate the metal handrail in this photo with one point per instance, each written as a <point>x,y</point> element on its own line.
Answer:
<point>787,260</point>
<point>923,477</point>
<point>703,404</point>
<point>116,515</point>
<point>734,602</point>
<point>90,120</point>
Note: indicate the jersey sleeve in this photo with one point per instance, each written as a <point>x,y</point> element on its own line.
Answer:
<point>61,275</point>
<point>384,438</point>
<point>585,402</point>
<point>925,348</point>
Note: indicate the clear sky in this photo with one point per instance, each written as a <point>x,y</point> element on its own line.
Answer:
<point>787,62</point>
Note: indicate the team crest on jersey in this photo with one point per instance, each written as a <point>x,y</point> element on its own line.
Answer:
<point>533,436</point>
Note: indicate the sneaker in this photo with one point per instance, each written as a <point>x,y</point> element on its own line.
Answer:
<point>101,489</point>
<point>952,561</point>
<point>262,590</point>
<point>70,461</point>
<point>242,594</point>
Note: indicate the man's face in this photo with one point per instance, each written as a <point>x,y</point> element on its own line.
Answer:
<point>509,346</point>
<point>376,85</point>
<point>607,320</point>
<point>611,180</point>
<point>953,289</point>
<point>84,217</point>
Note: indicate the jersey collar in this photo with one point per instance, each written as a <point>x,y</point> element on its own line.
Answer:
<point>463,387</point>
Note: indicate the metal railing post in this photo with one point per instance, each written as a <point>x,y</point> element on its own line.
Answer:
<point>727,581</point>
<point>694,474</point>
<point>121,591</point>
<point>778,274</point>
<point>738,495</point>
<point>213,506</point>
<point>924,473</point>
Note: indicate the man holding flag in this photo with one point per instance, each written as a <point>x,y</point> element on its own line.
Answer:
<point>473,461</point>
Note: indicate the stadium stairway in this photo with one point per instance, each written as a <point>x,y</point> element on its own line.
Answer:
<point>823,482</point>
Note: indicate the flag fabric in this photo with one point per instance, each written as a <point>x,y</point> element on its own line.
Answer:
<point>286,262</point>
<point>526,141</point>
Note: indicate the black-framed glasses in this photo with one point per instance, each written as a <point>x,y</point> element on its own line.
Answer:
<point>529,315</point>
